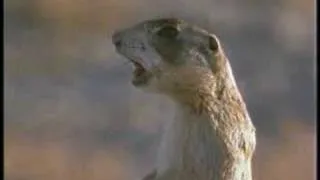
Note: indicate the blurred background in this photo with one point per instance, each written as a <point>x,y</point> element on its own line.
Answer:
<point>72,114</point>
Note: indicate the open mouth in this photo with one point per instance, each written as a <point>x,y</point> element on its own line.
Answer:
<point>140,74</point>
<point>139,69</point>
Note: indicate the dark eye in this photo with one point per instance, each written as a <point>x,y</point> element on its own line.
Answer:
<point>168,32</point>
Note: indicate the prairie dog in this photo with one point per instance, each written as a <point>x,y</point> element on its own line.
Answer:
<point>212,136</point>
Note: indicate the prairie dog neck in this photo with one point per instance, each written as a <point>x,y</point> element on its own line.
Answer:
<point>188,142</point>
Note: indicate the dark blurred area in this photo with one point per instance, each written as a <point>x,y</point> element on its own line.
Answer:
<point>72,114</point>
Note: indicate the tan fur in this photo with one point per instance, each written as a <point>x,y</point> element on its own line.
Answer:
<point>211,137</point>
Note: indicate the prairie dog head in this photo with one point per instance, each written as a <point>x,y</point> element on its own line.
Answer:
<point>171,56</point>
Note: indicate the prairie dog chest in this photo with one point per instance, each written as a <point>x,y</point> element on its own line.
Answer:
<point>188,142</point>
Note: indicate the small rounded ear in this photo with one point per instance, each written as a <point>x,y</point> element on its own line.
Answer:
<point>218,59</point>
<point>213,43</point>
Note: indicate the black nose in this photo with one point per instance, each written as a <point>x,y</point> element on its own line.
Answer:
<point>116,39</point>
